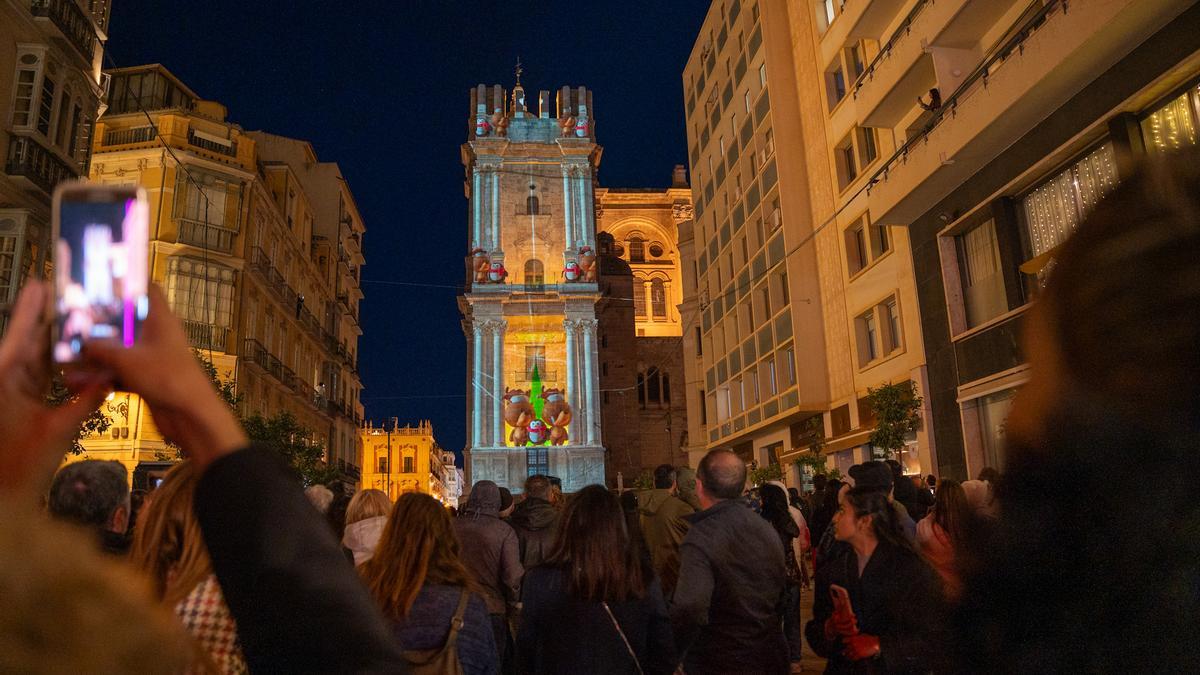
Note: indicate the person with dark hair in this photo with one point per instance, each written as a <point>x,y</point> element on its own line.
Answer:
<point>492,554</point>
<point>633,525</point>
<point>776,512</point>
<point>94,493</point>
<point>507,504</point>
<point>878,607</point>
<point>1113,345</point>
<point>990,474</point>
<point>663,525</point>
<point>725,609</point>
<point>420,582</point>
<point>931,482</point>
<point>535,521</point>
<point>877,475</point>
<point>945,532</point>
<point>593,607</point>
<point>823,513</point>
<point>904,492</point>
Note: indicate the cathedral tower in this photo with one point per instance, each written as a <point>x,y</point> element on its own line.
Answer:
<point>533,399</point>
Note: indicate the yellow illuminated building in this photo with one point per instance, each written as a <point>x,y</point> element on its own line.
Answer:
<point>399,459</point>
<point>257,246</point>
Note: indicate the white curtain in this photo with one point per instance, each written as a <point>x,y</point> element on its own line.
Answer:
<point>1054,209</point>
<point>1171,127</point>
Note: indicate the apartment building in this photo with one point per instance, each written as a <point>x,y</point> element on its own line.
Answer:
<point>52,90</point>
<point>237,245</point>
<point>1009,120</point>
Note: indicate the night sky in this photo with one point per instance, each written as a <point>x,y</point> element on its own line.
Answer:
<point>382,89</point>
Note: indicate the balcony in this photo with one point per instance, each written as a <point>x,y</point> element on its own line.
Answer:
<point>206,336</point>
<point>935,46</point>
<point>38,165</point>
<point>130,136</point>
<point>229,148</point>
<point>72,22</point>
<point>201,235</point>
<point>1048,57</point>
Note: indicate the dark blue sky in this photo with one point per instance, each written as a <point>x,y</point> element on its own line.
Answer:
<point>382,89</point>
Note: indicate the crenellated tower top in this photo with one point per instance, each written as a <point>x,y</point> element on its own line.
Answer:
<point>494,114</point>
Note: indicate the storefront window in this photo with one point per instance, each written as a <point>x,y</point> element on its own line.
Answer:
<point>993,414</point>
<point>1055,208</point>
<point>1172,126</point>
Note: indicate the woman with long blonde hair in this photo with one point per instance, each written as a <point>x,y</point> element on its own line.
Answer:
<point>420,582</point>
<point>169,548</point>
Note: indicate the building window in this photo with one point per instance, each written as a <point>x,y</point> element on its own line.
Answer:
<point>762,75</point>
<point>892,336</point>
<point>826,13</point>
<point>856,248</point>
<point>8,259</point>
<point>656,250</point>
<point>868,334</point>
<point>880,240</point>
<point>847,166</point>
<point>207,198</point>
<point>531,205</point>
<point>989,414</point>
<point>746,100</point>
<point>699,342</point>
<point>1173,126</point>
<point>410,464</point>
<point>534,273</point>
<point>46,107</point>
<point>639,298</point>
<point>200,292</point>
<point>979,273</point>
<point>658,299</point>
<point>856,62</point>
<point>867,152</point>
<point>537,461</point>
<point>703,408</point>
<point>383,465</point>
<point>1055,208</point>
<point>24,91</point>
<point>637,249</point>
<point>835,84</point>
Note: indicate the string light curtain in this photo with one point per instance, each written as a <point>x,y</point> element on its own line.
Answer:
<point>1055,208</point>
<point>1173,126</point>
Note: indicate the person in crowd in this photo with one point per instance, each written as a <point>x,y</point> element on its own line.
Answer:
<point>876,475</point>
<point>321,498</point>
<point>815,499</point>
<point>593,606</point>
<point>663,525</point>
<point>725,609</point>
<point>924,500</point>
<point>877,606</point>
<point>931,483</point>
<point>981,496</point>
<point>903,491</point>
<point>823,514</point>
<point>137,501</point>
<point>336,515</point>
<point>1074,579</point>
<point>776,512</point>
<point>419,579</point>
<point>633,525</point>
<point>535,521</point>
<point>366,517</point>
<point>304,610</point>
<point>945,532</point>
<point>169,549</point>
<point>989,474</point>
<point>507,504</point>
<point>492,554</point>
<point>685,480</point>
<point>557,500</point>
<point>95,494</point>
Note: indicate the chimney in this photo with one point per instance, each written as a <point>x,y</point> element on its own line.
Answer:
<point>679,177</point>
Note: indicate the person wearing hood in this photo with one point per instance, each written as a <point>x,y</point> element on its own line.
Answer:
<point>685,482</point>
<point>365,517</point>
<point>535,521</point>
<point>492,554</point>
<point>663,525</point>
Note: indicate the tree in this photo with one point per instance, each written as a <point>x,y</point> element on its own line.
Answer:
<point>897,409</point>
<point>95,423</point>
<point>763,475</point>
<point>294,442</point>
<point>226,388</point>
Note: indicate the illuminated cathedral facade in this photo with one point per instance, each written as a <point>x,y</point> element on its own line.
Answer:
<point>529,310</point>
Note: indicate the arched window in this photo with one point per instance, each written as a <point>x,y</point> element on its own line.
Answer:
<point>637,249</point>
<point>531,205</point>
<point>534,273</point>
<point>658,299</point>
<point>639,298</point>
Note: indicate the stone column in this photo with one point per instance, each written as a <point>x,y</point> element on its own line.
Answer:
<point>587,208</point>
<point>581,226</point>
<point>495,208</point>
<point>498,381</point>
<point>573,397</point>
<point>568,205</point>
<point>477,387</point>
<point>588,328</point>
<point>477,208</point>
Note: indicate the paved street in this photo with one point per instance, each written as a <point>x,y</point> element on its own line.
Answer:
<point>810,661</point>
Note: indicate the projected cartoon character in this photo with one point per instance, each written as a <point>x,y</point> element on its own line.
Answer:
<point>496,273</point>
<point>587,263</point>
<point>500,123</point>
<point>480,264</point>
<point>482,126</point>
<point>571,271</point>
<point>518,412</point>
<point>581,128</point>
<point>556,413</point>
<point>567,125</point>
<point>537,432</point>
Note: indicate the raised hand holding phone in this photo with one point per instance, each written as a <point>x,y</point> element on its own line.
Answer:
<point>842,622</point>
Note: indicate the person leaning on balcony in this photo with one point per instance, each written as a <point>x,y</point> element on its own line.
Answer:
<point>297,603</point>
<point>1113,344</point>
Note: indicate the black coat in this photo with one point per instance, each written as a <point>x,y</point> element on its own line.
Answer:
<point>727,609</point>
<point>898,599</point>
<point>298,604</point>
<point>536,522</point>
<point>560,634</point>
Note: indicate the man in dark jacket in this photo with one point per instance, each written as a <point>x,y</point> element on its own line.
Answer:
<point>491,553</point>
<point>726,610</point>
<point>663,525</point>
<point>536,522</point>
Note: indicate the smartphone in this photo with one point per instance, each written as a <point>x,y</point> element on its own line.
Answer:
<point>101,239</point>
<point>839,594</point>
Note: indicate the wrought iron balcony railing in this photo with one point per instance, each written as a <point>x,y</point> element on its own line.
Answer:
<point>130,135</point>
<point>203,235</point>
<point>206,336</point>
<point>212,146</point>
<point>29,159</point>
<point>72,21</point>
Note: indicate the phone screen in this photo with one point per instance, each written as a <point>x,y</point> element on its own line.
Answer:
<point>100,266</point>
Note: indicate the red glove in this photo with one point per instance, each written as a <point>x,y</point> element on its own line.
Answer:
<point>842,622</point>
<point>860,646</point>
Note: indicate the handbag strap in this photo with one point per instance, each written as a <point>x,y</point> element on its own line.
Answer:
<point>632,654</point>
<point>456,623</point>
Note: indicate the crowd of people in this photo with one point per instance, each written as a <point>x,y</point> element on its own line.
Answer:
<point>227,567</point>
